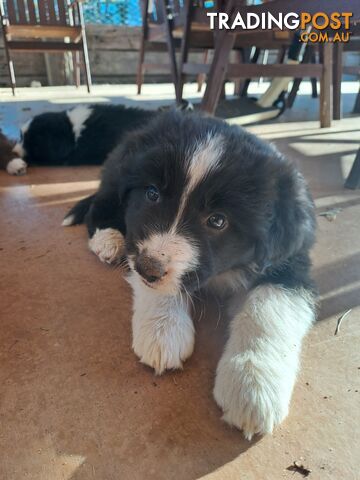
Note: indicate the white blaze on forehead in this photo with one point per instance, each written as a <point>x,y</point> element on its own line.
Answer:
<point>78,117</point>
<point>204,159</point>
<point>201,161</point>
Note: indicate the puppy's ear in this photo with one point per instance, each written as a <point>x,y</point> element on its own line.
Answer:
<point>291,222</point>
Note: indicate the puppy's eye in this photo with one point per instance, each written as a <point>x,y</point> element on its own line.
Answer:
<point>217,221</point>
<point>152,194</point>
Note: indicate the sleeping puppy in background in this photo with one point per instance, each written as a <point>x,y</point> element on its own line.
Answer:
<point>83,135</point>
<point>9,160</point>
<point>195,203</point>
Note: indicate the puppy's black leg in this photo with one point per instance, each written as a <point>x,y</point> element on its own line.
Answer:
<point>256,374</point>
<point>103,215</point>
<point>76,215</point>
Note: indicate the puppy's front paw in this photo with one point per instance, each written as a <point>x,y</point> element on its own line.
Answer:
<point>107,244</point>
<point>164,344</point>
<point>16,166</point>
<point>252,396</point>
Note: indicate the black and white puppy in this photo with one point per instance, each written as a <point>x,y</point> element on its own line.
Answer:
<point>83,135</point>
<point>198,204</point>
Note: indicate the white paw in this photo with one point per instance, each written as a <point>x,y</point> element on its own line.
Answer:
<point>16,166</point>
<point>164,343</point>
<point>251,396</point>
<point>107,244</point>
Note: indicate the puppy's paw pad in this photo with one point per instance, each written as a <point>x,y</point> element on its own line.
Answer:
<point>250,403</point>
<point>16,166</point>
<point>107,244</point>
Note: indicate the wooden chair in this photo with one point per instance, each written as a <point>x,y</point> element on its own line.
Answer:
<point>158,18</point>
<point>226,40</point>
<point>162,31</point>
<point>246,49</point>
<point>44,26</point>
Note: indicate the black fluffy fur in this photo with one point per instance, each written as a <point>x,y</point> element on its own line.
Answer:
<point>269,210</point>
<point>49,138</point>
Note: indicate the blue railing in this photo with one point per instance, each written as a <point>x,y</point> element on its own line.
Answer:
<point>113,12</point>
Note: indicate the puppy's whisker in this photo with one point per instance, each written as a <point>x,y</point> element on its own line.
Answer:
<point>189,298</point>
<point>184,292</point>
<point>219,312</point>
<point>198,280</point>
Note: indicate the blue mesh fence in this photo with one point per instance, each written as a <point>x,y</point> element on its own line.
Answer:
<point>113,12</point>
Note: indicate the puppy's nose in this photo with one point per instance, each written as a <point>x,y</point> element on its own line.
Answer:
<point>149,268</point>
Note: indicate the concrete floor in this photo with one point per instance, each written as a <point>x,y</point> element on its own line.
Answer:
<point>76,404</point>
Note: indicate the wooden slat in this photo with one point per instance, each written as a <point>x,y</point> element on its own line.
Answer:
<point>32,12</point>
<point>43,31</point>
<point>337,66</point>
<point>326,113</point>
<point>246,70</point>
<point>63,18</point>
<point>42,12</point>
<point>51,12</point>
<point>11,12</point>
<point>37,46</point>
<point>276,70</point>
<point>22,12</point>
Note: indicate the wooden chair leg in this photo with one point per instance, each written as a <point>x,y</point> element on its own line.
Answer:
<point>10,68</point>
<point>76,62</point>
<point>293,92</point>
<point>87,65</point>
<point>144,32</point>
<point>202,76</point>
<point>253,59</point>
<point>337,76</point>
<point>85,49</point>
<point>224,45</point>
<point>140,69</point>
<point>185,46</point>
<point>353,179</point>
<point>297,82</point>
<point>357,104</point>
<point>171,49</point>
<point>326,86</point>
<point>281,54</point>
<point>223,92</point>
<point>314,92</point>
<point>238,83</point>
